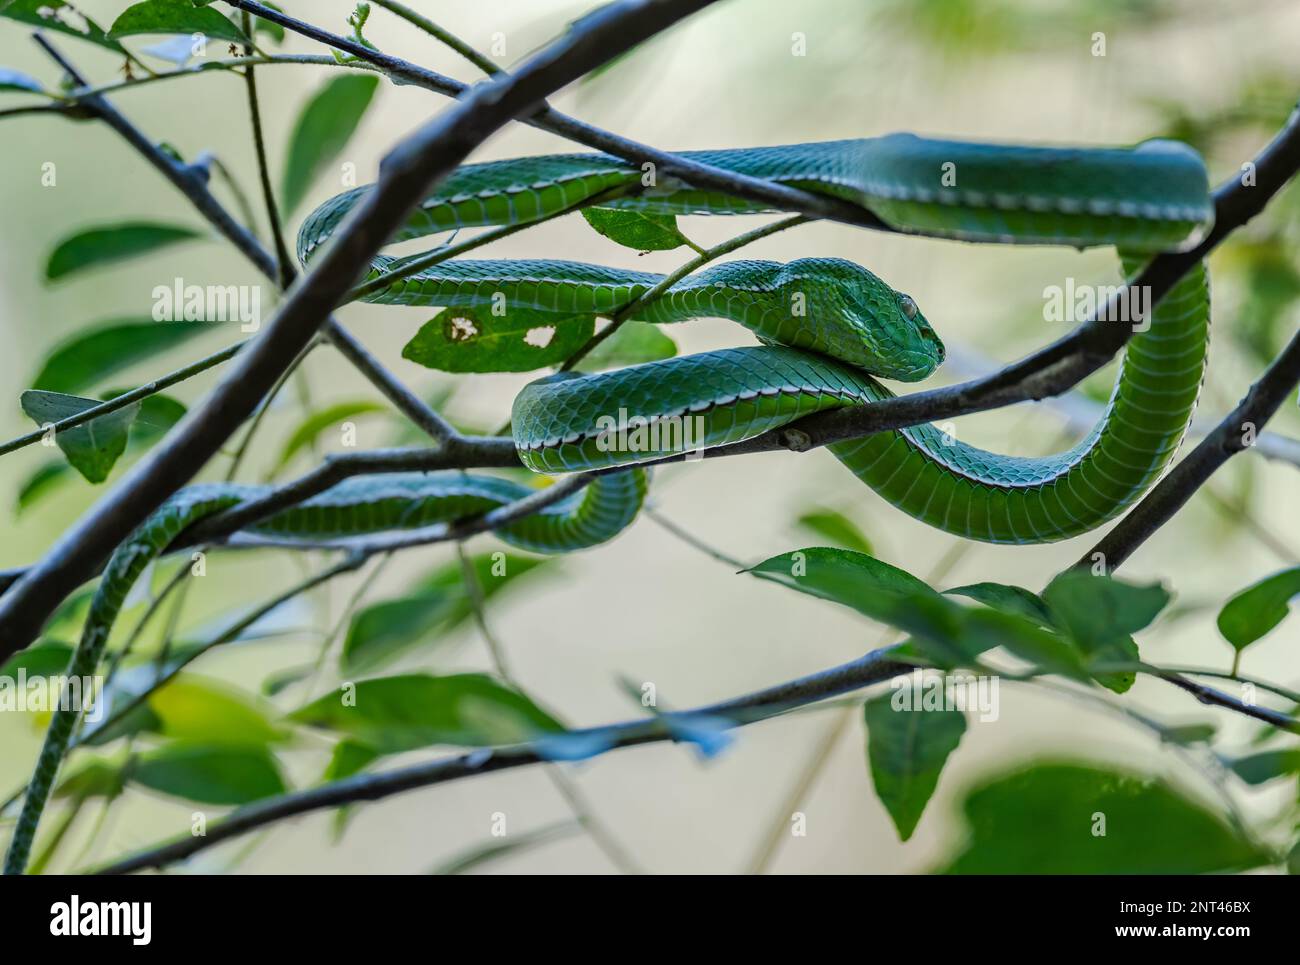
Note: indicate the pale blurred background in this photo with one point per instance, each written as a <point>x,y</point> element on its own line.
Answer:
<point>649,607</point>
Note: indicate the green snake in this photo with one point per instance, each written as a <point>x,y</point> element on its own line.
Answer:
<point>849,328</point>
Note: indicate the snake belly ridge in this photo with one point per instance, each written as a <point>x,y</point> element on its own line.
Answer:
<point>854,327</point>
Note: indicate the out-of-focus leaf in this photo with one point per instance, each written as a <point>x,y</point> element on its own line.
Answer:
<point>835,526</point>
<point>45,658</point>
<point>1101,614</point>
<point>398,713</point>
<point>61,17</point>
<point>267,28</point>
<point>1008,599</point>
<point>95,778</point>
<point>632,344</point>
<point>1067,818</point>
<point>475,340</point>
<point>93,447</point>
<point>1259,608</point>
<point>309,430</point>
<point>88,358</point>
<point>1188,734</point>
<point>11,79</point>
<point>495,850</point>
<point>322,130</point>
<point>109,244</point>
<point>192,709</point>
<point>40,483</point>
<point>636,229</point>
<point>174,17</point>
<point>210,774</point>
<point>1267,765</point>
<point>436,606</point>
<point>907,749</point>
<point>349,757</point>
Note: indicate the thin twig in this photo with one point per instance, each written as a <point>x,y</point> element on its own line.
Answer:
<point>408,173</point>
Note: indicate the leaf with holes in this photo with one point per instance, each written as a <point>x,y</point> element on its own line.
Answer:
<point>636,229</point>
<point>475,340</point>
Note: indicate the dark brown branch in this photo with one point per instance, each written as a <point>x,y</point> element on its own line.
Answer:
<point>407,174</point>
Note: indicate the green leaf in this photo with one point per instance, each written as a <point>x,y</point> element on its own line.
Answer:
<point>16,80</point>
<point>40,483</point>
<point>475,340</point>
<point>349,757</point>
<point>42,659</point>
<point>1100,614</point>
<point>632,344</point>
<point>399,713</point>
<point>96,778</point>
<point>836,527</point>
<point>158,413</point>
<point>91,356</point>
<point>907,749</point>
<point>61,17</point>
<point>210,774</point>
<point>266,27</point>
<point>943,632</point>
<point>1049,819</point>
<point>93,447</point>
<point>1008,599</point>
<point>321,132</point>
<point>192,709</point>
<point>636,229</point>
<point>309,430</point>
<point>384,631</point>
<point>492,851</point>
<point>1259,608</point>
<point>875,589</point>
<point>1267,765</point>
<point>174,17</point>
<point>109,244</point>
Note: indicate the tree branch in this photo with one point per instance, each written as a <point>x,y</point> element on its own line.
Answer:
<point>406,176</point>
<point>740,711</point>
<point>780,197</point>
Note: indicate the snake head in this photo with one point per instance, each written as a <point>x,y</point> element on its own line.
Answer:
<point>854,316</point>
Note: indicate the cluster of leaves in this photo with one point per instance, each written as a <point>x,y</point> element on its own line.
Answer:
<point>1082,628</point>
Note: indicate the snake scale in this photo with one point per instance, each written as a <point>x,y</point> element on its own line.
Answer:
<point>849,329</point>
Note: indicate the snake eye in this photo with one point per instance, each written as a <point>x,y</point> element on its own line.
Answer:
<point>908,305</point>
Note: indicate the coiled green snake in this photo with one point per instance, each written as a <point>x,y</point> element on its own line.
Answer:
<point>828,328</point>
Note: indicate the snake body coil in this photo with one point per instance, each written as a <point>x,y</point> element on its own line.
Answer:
<point>849,327</point>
